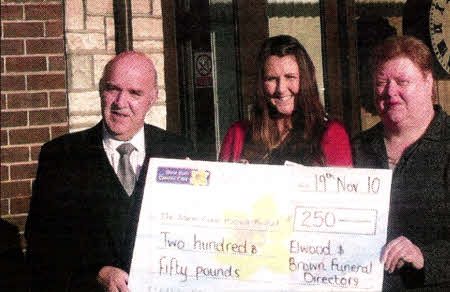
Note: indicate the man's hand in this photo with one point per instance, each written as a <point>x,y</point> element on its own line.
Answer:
<point>399,251</point>
<point>113,279</point>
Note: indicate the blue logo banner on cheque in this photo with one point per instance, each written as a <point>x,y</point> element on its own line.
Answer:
<point>183,176</point>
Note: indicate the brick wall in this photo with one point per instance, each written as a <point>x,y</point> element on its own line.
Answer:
<point>35,104</point>
<point>33,96</point>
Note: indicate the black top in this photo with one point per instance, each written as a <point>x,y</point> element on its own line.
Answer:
<point>419,207</point>
<point>288,150</point>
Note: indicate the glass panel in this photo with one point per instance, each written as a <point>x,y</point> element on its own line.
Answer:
<point>207,58</point>
<point>224,55</point>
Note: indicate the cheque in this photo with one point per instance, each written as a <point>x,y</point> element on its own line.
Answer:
<point>209,226</point>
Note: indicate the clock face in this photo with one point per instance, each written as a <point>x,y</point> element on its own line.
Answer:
<point>440,31</point>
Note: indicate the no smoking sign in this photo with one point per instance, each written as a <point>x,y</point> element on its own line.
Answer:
<point>203,69</point>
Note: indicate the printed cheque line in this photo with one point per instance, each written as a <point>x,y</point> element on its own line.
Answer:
<point>215,278</point>
<point>314,284</point>
<point>227,228</point>
<point>355,221</point>
<point>218,252</point>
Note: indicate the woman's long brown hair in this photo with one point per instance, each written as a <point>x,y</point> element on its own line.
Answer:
<point>308,118</point>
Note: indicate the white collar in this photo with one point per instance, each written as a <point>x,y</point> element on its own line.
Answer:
<point>111,143</point>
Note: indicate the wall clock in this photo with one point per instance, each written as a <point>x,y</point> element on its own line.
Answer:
<point>429,21</point>
<point>439,27</point>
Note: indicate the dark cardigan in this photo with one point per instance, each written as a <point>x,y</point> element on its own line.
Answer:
<point>419,208</point>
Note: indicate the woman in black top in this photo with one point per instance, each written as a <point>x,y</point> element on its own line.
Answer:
<point>413,140</point>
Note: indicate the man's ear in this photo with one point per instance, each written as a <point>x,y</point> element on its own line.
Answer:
<point>154,95</point>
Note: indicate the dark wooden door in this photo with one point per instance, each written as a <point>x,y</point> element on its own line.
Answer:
<point>208,59</point>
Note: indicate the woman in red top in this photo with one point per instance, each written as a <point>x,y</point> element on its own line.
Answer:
<point>288,120</point>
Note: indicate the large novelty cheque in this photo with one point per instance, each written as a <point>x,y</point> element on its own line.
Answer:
<point>209,226</point>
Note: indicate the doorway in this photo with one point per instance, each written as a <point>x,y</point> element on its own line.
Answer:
<point>209,79</point>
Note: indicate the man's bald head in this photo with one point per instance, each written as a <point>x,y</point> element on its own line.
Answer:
<point>132,58</point>
<point>128,89</point>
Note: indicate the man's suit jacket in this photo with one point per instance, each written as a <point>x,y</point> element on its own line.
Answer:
<point>81,218</point>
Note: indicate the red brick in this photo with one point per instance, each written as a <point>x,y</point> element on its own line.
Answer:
<point>19,221</point>
<point>45,117</point>
<point>27,100</point>
<point>15,189</point>
<point>23,29</point>
<point>57,63</point>
<point>20,205</point>
<point>12,47</point>
<point>23,171</point>
<point>5,207</point>
<point>12,12</point>
<point>43,12</point>
<point>46,81</point>
<point>4,172</point>
<point>54,29</point>
<point>4,137</point>
<point>14,119</point>
<point>15,154</point>
<point>45,46</point>
<point>13,82</point>
<point>3,101</point>
<point>28,1</point>
<point>35,150</point>
<point>29,136</point>
<point>58,98</point>
<point>26,64</point>
<point>59,131</point>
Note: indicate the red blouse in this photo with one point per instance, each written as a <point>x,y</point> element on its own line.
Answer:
<point>335,144</point>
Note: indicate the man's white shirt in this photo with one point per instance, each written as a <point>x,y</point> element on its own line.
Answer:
<point>137,156</point>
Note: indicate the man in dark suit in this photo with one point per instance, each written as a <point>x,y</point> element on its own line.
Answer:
<point>87,193</point>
